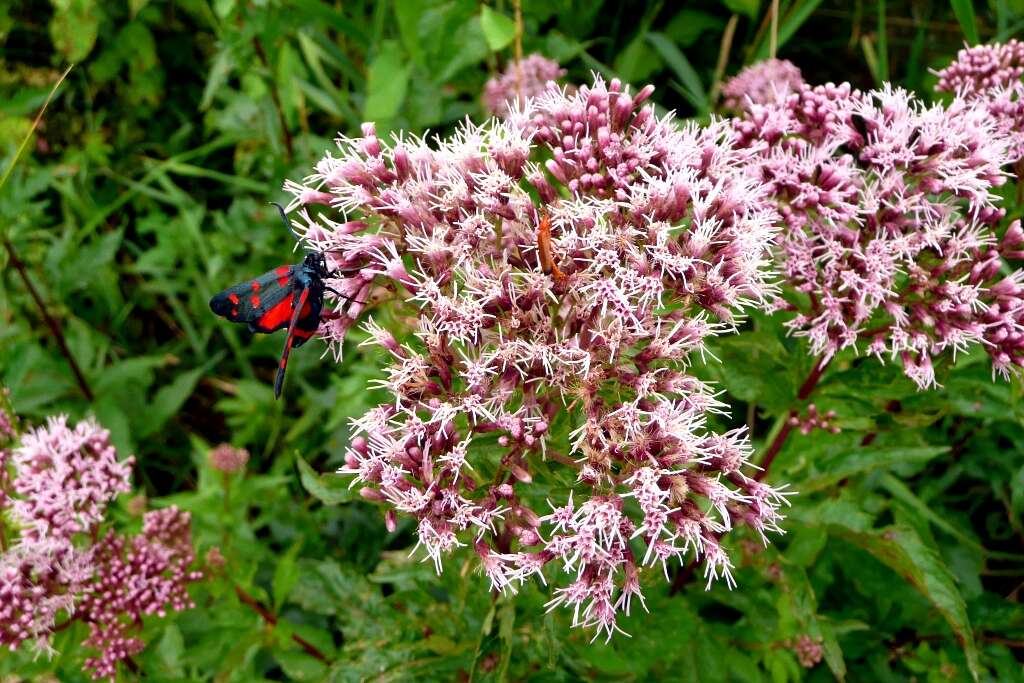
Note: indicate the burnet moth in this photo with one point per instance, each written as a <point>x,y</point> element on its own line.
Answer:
<point>286,297</point>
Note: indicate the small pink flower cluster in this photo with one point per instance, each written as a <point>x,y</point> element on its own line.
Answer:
<point>63,479</point>
<point>658,238</point>
<point>228,459</point>
<point>815,420</point>
<point>767,82</point>
<point>983,67</point>
<point>889,214</point>
<point>509,90</point>
<point>809,651</point>
<point>134,577</point>
<point>992,75</point>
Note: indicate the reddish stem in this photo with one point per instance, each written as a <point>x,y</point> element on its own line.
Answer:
<point>271,619</point>
<point>51,322</point>
<point>805,391</point>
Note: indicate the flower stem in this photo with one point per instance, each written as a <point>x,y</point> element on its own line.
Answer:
<point>51,322</point>
<point>805,391</point>
<point>723,59</point>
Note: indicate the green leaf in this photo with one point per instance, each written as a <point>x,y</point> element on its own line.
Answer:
<point>409,13</point>
<point>170,650</point>
<point>799,12</point>
<point>499,30</point>
<point>637,62</point>
<point>692,87</point>
<point>688,24</point>
<point>802,604</point>
<point>748,8</point>
<point>386,83</point>
<point>506,626</point>
<point>329,489</point>
<point>964,11</point>
<point>902,493</point>
<point>299,666</point>
<point>902,550</point>
<point>286,574</point>
<point>864,459</point>
<point>74,27</point>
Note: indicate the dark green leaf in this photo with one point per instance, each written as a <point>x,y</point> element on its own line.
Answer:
<point>903,551</point>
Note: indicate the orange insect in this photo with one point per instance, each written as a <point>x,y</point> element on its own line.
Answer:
<point>547,261</point>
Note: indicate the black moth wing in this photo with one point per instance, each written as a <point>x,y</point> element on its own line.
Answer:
<point>265,303</point>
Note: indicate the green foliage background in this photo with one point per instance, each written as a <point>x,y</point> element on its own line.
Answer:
<point>146,191</point>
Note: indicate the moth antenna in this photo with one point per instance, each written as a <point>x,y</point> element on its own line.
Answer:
<point>284,219</point>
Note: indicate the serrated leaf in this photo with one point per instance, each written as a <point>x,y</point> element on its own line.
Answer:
<point>499,30</point>
<point>902,550</point>
<point>329,489</point>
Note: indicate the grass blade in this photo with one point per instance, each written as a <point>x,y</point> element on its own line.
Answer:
<point>964,11</point>
<point>35,124</point>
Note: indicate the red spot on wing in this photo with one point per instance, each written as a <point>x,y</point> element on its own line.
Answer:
<point>255,300</point>
<point>234,312</point>
<point>282,270</point>
<point>278,315</point>
<point>283,281</point>
<point>306,310</point>
<point>255,285</point>
<point>233,298</point>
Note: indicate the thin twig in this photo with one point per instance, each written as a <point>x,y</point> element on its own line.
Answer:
<point>723,59</point>
<point>51,322</point>
<point>773,39</point>
<point>518,54</point>
<point>271,619</point>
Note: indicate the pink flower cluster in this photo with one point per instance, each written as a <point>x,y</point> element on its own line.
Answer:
<point>992,75</point>
<point>809,651</point>
<point>63,479</point>
<point>520,81</point>
<point>134,577</point>
<point>658,238</point>
<point>228,459</point>
<point>767,82</point>
<point>889,216</point>
<point>815,420</point>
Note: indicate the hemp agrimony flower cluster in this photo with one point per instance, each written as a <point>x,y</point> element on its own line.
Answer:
<point>56,485</point>
<point>660,237</point>
<point>889,214</point>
